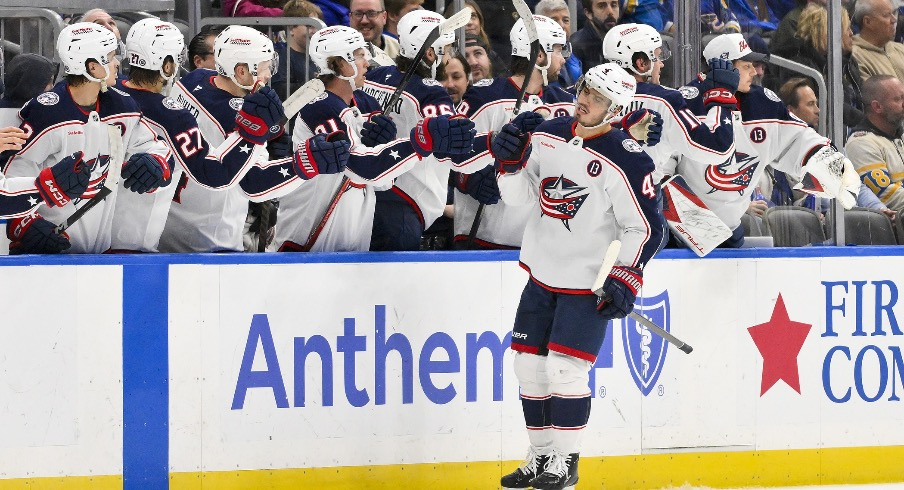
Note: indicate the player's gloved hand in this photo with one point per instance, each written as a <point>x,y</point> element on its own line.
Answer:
<point>261,110</point>
<point>480,185</point>
<point>721,84</point>
<point>443,134</point>
<point>619,292</point>
<point>644,126</point>
<point>33,234</point>
<point>510,148</point>
<point>322,154</point>
<point>145,172</point>
<point>828,173</point>
<point>379,129</point>
<point>527,121</point>
<point>64,181</point>
<point>280,147</point>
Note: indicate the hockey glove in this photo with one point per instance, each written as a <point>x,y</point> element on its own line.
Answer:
<point>322,154</point>
<point>828,173</point>
<point>721,84</point>
<point>619,292</point>
<point>280,147</point>
<point>33,234</point>
<point>443,134</point>
<point>510,148</point>
<point>527,121</point>
<point>261,111</point>
<point>64,181</point>
<point>480,185</point>
<point>145,172</point>
<point>378,130</point>
<point>644,126</point>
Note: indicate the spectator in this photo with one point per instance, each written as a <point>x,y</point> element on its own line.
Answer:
<point>250,8</point>
<point>557,10</point>
<point>369,17</point>
<point>758,45</point>
<point>798,95</point>
<point>787,28</point>
<point>200,49</point>
<point>455,76</point>
<point>639,12</point>
<point>587,42</point>
<point>875,146</point>
<point>103,19</point>
<point>873,48</point>
<point>811,48</point>
<point>478,59</point>
<point>753,19</point>
<point>717,18</point>
<point>475,27</point>
<point>293,52</point>
<point>395,10</point>
<point>27,75</point>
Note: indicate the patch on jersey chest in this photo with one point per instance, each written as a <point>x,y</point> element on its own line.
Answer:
<point>236,103</point>
<point>561,198</point>
<point>771,95</point>
<point>631,146</point>
<point>857,134</point>
<point>689,92</point>
<point>486,82</point>
<point>171,104</point>
<point>430,82</point>
<point>48,98</point>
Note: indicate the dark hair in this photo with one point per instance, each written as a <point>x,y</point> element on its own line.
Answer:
<point>76,80</point>
<point>395,7</point>
<point>198,44</point>
<point>143,76</point>
<point>520,66</point>
<point>403,63</point>
<point>441,71</point>
<point>301,8</point>
<point>788,90</point>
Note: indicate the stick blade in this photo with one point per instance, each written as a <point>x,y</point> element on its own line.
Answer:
<point>608,262</point>
<point>456,21</point>
<point>525,13</point>
<point>302,97</point>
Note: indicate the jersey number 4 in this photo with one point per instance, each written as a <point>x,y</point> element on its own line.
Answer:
<point>647,188</point>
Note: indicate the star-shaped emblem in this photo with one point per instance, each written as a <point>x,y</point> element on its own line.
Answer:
<point>779,341</point>
<point>727,120</point>
<point>244,148</point>
<point>394,154</point>
<point>32,201</point>
<point>284,172</point>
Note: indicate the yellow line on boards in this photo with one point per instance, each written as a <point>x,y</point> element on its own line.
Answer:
<point>100,482</point>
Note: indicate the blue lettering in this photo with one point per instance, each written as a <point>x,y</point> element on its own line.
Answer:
<point>858,298</point>
<point>497,348</point>
<point>830,306</point>
<point>858,373</point>
<point>269,378</point>
<point>427,366</point>
<point>348,343</point>
<point>321,347</point>
<point>827,377</point>
<point>396,342</point>
<point>897,367</point>
<point>887,308</point>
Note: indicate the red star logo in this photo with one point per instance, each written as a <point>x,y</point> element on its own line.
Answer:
<point>779,341</point>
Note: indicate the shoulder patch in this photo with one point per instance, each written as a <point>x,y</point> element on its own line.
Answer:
<point>771,95</point>
<point>689,92</point>
<point>120,92</point>
<point>48,98</point>
<point>857,134</point>
<point>171,104</point>
<point>320,97</point>
<point>236,103</point>
<point>430,82</point>
<point>631,145</point>
<point>486,82</point>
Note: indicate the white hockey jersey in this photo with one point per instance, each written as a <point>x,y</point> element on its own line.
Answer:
<point>56,128</point>
<point>582,194</point>
<point>335,212</point>
<point>489,103</point>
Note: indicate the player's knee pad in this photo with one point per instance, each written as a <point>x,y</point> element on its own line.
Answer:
<point>530,369</point>
<point>568,376</point>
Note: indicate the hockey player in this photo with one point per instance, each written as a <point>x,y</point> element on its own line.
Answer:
<point>765,134</point>
<point>336,212</point>
<point>155,51</point>
<point>585,184</point>
<point>68,120</point>
<point>200,218</point>
<point>489,103</point>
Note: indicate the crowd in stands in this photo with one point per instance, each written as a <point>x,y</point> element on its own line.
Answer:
<point>871,43</point>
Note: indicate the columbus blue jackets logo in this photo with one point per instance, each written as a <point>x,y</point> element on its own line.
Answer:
<point>48,98</point>
<point>560,198</point>
<point>734,174</point>
<point>644,351</point>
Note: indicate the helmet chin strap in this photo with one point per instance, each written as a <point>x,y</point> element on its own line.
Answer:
<point>101,81</point>
<point>543,69</point>
<point>611,114</point>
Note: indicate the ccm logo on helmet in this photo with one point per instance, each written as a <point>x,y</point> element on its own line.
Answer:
<point>628,31</point>
<point>241,42</point>
<point>83,30</point>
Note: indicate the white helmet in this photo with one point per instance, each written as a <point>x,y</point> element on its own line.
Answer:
<point>612,82</point>
<point>623,41</point>
<point>85,41</point>
<point>242,45</point>
<point>549,32</point>
<point>413,29</point>
<point>150,41</point>
<point>341,41</point>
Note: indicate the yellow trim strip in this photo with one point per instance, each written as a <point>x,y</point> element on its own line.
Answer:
<point>649,471</point>
<point>100,482</point>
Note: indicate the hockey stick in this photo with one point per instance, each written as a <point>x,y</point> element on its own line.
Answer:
<point>449,25</point>
<point>597,288</point>
<point>531,28</point>
<point>117,156</point>
<point>301,97</point>
<point>344,184</point>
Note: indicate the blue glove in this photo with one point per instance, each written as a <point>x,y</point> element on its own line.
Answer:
<point>64,181</point>
<point>510,148</point>
<point>280,147</point>
<point>721,84</point>
<point>258,120</point>
<point>643,129</point>
<point>480,185</point>
<point>619,292</point>
<point>378,130</point>
<point>322,154</point>
<point>443,134</point>
<point>527,121</point>
<point>33,234</point>
<point>145,172</point>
